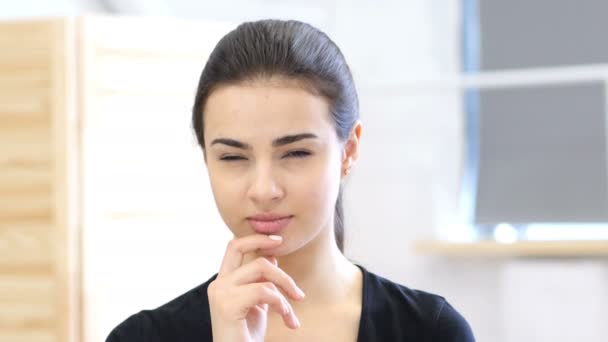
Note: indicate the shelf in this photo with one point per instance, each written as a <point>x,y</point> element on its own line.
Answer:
<point>522,248</point>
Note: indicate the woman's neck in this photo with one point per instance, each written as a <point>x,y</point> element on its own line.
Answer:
<point>322,271</point>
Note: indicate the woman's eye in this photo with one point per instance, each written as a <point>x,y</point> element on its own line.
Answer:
<point>231,158</point>
<point>297,154</point>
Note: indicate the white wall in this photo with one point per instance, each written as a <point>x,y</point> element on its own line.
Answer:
<point>408,170</point>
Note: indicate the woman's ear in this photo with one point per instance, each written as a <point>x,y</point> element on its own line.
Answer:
<point>351,148</point>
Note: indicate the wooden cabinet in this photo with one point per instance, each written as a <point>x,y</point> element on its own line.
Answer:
<point>103,189</point>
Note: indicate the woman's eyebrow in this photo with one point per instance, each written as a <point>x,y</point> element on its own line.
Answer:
<point>231,142</point>
<point>285,140</point>
<point>288,139</point>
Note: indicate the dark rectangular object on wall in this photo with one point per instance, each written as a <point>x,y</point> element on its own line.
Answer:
<point>542,154</point>
<point>542,33</point>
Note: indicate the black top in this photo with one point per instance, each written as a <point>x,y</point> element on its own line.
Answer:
<point>390,312</point>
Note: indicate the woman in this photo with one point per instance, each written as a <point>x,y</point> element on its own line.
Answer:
<point>276,114</point>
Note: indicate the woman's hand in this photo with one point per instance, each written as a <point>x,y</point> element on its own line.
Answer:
<point>242,294</point>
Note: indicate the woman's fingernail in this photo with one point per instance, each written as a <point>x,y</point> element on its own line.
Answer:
<point>275,237</point>
<point>300,292</point>
<point>297,321</point>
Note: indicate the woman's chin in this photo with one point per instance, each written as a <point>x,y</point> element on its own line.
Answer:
<point>279,251</point>
<point>284,249</point>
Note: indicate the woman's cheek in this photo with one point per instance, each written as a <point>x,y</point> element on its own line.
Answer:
<point>225,194</point>
<point>319,194</point>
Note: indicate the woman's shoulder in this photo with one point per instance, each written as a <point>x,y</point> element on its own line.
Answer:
<point>184,316</point>
<point>419,314</point>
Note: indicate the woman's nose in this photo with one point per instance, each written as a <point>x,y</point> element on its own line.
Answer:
<point>264,187</point>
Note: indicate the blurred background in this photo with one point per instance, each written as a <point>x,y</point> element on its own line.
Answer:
<point>483,174</point>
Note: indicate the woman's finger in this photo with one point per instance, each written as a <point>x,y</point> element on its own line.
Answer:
<point>273,260</point>
<point>262,269</point>
<point>266,293</point>
<point>237,248</point>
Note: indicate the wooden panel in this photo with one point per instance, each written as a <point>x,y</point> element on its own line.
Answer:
<point>22,206</point>
<point>17,288</point>
<point>25,248</point>
<point>27,101</point>
<point>25,129</point>
<point>28,336</point>
<point>28,147</point>
<point>33,97</point>
<point>24,60</point>
<point>35,77</point>
<point>25,126</point>
<point>66,180</point>
<point>16,174</point>
<point>28,315</point>
<point>35,58</point>
<point>25,34</point>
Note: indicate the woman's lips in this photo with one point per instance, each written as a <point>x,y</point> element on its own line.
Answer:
<point>269,225</point>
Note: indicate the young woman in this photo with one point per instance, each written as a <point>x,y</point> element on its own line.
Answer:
<point>276,114</point>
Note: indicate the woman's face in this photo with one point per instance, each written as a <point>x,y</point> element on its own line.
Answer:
<point>272,152</point>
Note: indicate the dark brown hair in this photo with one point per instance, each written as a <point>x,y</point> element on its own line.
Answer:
<point>289,49</point>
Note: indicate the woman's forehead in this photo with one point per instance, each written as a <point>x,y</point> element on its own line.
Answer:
<point>265,109</point>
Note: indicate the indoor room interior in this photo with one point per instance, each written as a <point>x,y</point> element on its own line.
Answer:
<point>482,175</point>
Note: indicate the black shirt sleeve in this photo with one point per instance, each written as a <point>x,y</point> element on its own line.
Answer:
<point>183,319</point>
<point>125,332</point>
<point>450,326</point>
